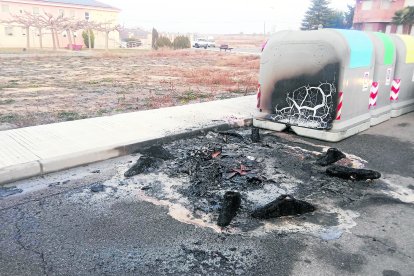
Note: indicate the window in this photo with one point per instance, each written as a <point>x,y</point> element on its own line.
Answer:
<point>72,14</point>
<point>409,2</point>
<point>62,13</point>
<point>8,30</point>
<point>5,8</point>
<point>369,27</point>
<point>36,10</point>
<point>388,29</point>
<point>87,15</point>
<point>400,29</point>
<point>385,4</point>
<point>366,5</point>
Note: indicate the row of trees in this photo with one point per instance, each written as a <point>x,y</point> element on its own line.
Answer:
<point>57,24</point>
<point>405,17</point>
<point>320,14</point>
<point>179,42</point>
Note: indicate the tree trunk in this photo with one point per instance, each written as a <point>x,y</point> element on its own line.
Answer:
<point>89,39</point>
<point>57,39</point>
<point>53,39</point>
<point>69,34</point>
<point>407,29</point>
<point>40,38</point>
<point>106,40</point>
<point>27,38</point>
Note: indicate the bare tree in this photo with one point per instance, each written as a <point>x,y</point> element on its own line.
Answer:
<point>60,23</point>
<point>55,24</point>
<point>107,28</point>
<point>26,21</point>
<point>40,25</point>
<point>68,26</point>
<point>88,26</point>
<point>73,27</point>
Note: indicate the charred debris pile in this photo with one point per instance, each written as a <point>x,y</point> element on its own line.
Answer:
<point>226,169</point>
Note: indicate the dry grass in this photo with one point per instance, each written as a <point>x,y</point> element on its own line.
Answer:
<point>46,89</point>
<point>241,41</point>
<point>246,62</point>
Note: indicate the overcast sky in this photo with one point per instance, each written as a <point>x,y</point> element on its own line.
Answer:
<point>215,16</point>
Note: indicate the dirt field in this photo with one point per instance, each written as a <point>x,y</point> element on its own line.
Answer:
<point>241,41</point>
<point>47,89</point>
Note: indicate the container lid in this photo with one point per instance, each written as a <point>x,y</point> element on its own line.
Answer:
<point>360,46</point>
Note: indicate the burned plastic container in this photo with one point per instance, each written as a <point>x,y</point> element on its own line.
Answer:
<point>402,90</point>
<point>316,82</point>
<point>385,57</point>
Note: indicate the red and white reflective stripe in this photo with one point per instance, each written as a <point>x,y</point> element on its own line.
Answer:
<point>395,89</point>
<point>373,95</point>
<point>259,94</point>
<point>339,108</point>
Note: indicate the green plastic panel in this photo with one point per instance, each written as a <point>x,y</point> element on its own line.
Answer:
<point>389,48</point>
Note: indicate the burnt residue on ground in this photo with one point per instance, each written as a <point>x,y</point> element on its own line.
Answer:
<point>96,188</point>
<point>284,205</point>
<point>229,207</point>
<point>144,164</point>
<point>259,170</point>
<point>157,151</point>
<point>372,148</point>
<point>352,174</point>
<point>331,156</point>
<point>8,191</point>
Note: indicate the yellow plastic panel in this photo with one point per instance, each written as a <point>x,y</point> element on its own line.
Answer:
<point>409,47</point>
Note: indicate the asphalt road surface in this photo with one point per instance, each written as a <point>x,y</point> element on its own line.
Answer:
<point>55,225</point>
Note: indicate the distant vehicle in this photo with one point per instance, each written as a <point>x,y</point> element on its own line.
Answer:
<point>211,43</point>
<point>134,44</point>
<point>225,47</point>
<point>130,43</point>
<point>200,43</point>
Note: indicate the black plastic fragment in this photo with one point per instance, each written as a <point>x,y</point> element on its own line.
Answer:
<point>157,152</point>
<point>351,173</point>
<point>145,164</point>
<point>8,191</point>
<point>284,205</point>
<point>230,206</point>
<point>255,136</point>
<point>97,188</point>
<point>331,156</point>
<point>234,134</point>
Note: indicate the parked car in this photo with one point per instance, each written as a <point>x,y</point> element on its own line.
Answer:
<point>130,43</point>
<point>211,43</point>
<point>200,43</point>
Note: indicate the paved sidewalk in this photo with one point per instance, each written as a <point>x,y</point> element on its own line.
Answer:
<point>37,150</point>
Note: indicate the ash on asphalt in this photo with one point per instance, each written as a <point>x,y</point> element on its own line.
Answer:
<point>8,191</point>
<point>200,171</point>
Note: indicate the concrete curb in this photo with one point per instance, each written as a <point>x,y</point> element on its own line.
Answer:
<point>44,166</point>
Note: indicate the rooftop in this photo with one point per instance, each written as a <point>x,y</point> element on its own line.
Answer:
<point>91,3</point>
